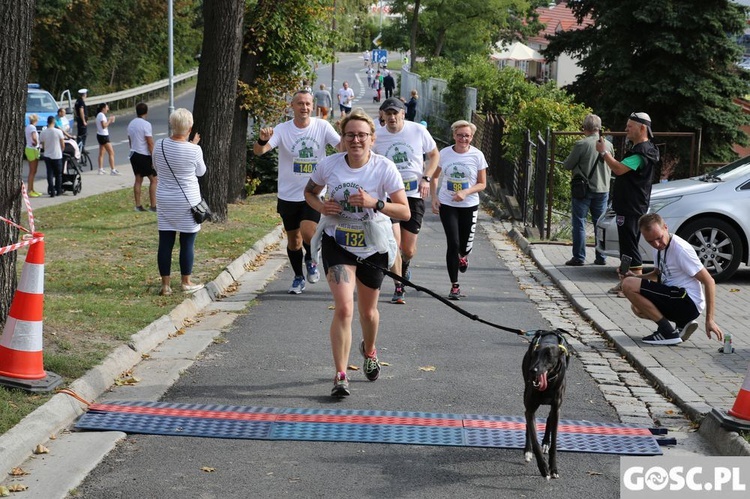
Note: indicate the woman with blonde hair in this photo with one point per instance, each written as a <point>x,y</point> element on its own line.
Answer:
<point>178,163</point>
<point>365,191</point>
<point>32,153</point>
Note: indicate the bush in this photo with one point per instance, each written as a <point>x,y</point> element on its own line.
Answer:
<point>262,171</point>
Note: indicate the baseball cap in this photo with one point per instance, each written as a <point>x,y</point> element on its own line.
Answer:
<point>393,103</point>
<point>83,91</point>
<point>644,119</point>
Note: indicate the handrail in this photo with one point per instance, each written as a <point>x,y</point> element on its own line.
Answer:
<point>134,92</point>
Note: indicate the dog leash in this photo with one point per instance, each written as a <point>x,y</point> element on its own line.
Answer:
<point>406,282</point>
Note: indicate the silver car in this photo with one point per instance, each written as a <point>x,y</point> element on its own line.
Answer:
<point>711,212</point>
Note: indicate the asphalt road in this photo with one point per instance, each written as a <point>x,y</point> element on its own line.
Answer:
<point>278,355</point>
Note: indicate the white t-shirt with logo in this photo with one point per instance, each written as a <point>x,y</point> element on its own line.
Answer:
<point>406,149</point>
<point>138,130</point>
<point>458,172</point>
<point>300,150</point>
<point>678,264</point>
<point>346,96</point>
<point>378,177</point>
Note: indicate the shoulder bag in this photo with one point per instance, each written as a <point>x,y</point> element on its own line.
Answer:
<point>579,185</point>
<point>201,212</point>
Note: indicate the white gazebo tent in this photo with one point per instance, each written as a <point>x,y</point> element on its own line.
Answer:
<point>521,56</point>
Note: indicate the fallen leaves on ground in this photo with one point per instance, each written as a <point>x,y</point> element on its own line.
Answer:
<point>40,449</point>
<point>385,363</point>
<point>18,487</point>
<point>208,469</point>
<point>352,367</point>
<point>734,290</point>
<point>126,378</point>
<point>18,472</point>
<point>427,368</point>
<point>4,492</point>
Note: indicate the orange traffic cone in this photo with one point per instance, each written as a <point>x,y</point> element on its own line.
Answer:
<point>21,360</point>
<point>741,407</point>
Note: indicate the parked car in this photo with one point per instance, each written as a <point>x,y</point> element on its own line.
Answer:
<point>711,212</point>
<point>41,103</point>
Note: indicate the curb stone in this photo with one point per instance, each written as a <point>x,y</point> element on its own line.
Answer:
<point>61,410</point>
<point>724,442</point>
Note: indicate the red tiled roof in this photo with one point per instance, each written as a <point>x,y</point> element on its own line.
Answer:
<point>559,17</point>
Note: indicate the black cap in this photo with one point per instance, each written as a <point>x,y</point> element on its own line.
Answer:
<point>393,103</point>
<point>643,119</point>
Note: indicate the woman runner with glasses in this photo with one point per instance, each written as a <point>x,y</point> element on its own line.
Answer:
<point>356,223</point>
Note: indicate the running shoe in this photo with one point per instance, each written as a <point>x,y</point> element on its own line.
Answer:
<point>34,194</point>
<point>298,285</point>
<point>455,293</point>
<point>153,208</point>
<point>407,276</point>
<point>661,339</point>
<point>313,275</point>
<point>340,386</point>
<point>371,366</point>
<point>101,171</point>
<point>687,330</point>
<point>398,296</point>
<point>114,172</point>
<point>463,264</point>
<point>140,208</point>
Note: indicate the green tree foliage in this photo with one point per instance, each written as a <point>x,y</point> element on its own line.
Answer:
<point>455,30</point>
<point>108,45</point>
<point>672,59</point>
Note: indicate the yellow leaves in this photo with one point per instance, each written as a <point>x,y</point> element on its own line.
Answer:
<point>18,487</point>
<point>734,290</point>
<point>427,368</point>
<point>4,492</point>
<point>208,469</point>
<point>126,379</point>
<point>18,472</point>
<point>40,449</point>
<point>352,367</point>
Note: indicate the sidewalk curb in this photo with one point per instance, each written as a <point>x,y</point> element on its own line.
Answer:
<point>725,442</point>
<point>61,410</point>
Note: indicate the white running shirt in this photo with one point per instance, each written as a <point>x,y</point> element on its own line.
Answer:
<point>138,130</point>
<point>101,130</point>
<point>406,149</point>
<point>300,150</point>
<point>678,264</point>
<point>459,171</point>
<point>378,177</point>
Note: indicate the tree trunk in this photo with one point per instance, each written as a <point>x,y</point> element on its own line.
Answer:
<point>413,39</point>
<point>17,20</point>
<point>215,96</point>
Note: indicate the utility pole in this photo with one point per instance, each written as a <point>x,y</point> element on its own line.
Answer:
<point>333,63</point>
<point>170,22</point>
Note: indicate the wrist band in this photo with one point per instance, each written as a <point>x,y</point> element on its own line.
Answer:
<point>262,142</point>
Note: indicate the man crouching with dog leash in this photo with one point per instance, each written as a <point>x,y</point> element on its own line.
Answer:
<point>677,290</point>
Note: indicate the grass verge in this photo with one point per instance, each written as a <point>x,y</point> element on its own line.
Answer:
<point>101,280</point>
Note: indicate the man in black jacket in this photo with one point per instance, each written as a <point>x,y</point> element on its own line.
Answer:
<point>632,189</point>
<point>389,83</point>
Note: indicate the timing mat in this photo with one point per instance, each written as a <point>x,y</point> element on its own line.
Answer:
<point>344,425</point>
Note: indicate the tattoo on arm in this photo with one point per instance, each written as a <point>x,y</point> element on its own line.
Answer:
<point>338,274</point>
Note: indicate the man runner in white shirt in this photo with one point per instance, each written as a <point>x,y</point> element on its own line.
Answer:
<point>302,143</point>
<point>406,143</point>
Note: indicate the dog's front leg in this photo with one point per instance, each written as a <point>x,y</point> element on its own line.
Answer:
<point>532,443</point>
<point>552,422</point>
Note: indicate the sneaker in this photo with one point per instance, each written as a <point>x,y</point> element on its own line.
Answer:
<point>153,208</point>
<point>34,194</point>
<point>600,261</point>
<point>340,386</point>
<point>455,293</point>
<point>298,285</point>
<point>313,275</point>
<point>687,330</point>
<point>398,296</point>
<point>407,276</point>
<point>101,171</point>
<point>659,339</point>
<point>574,262</point>
<point>114,172</point>
<point>616,290</point>
<point>192,288</point>
<point>371,366</point>
<point>463,264</point>
<point>165,291</point>
<point>140,208</point>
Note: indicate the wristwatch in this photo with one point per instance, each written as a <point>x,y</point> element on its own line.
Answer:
<point>379,205</point>
<point>427,178</point>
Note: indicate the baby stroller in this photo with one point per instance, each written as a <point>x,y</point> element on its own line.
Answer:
<point>71,170</point>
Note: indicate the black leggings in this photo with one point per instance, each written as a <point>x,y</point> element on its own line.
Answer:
<point>459,224</point>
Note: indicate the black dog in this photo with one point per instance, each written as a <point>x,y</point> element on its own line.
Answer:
<point>544,368</point>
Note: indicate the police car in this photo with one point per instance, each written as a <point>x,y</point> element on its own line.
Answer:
<point>41,103</point>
